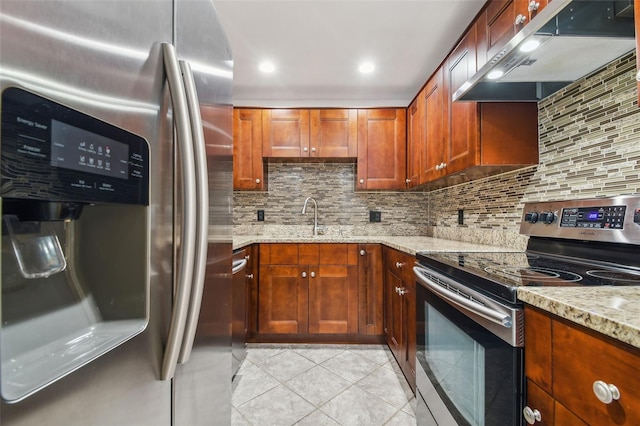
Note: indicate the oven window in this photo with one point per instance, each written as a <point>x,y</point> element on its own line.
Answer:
<point>477,377</point>
<point>456,361</point>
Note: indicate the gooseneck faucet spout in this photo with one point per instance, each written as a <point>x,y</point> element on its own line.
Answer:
<point>315,214</point>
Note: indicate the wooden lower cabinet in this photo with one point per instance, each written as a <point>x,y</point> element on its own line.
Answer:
<point>312,292</point>
<point>400,310</point>
<point>563,360</point>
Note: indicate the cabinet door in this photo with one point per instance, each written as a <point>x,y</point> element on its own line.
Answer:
<point>537,358</point>
<point>253,253</point>
<point>334,133</point>
<point>409,319</point>
<point>415,140</point>
<point>462,117</point>
<point>285,133</point>
<point>382,149</point>
<point>248,169</point>
<point>393,314</point>
<point>283,299</point>
<point>333,299</point>
<point>504,18</point>
<point>370,296</point>
<point>434,149</point>
<point>538,399</point>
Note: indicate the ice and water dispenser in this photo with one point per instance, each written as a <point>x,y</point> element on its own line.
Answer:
<point>75,235</point>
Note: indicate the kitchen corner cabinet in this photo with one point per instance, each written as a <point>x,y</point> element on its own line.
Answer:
<point>371,291</point>
<point>415,129</point>
<point>248,167</point>
<point>308,289</point>
<point>564,360</point>
<point>382,149</point>
<point>400,310</point>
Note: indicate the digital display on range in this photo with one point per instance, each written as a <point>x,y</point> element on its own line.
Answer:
<point>593,217</point>
<point>78,149</point>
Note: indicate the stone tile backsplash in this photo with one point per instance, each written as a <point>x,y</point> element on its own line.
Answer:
<point>589,135</point>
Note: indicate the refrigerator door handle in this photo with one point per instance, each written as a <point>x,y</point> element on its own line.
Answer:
<point>202,212</point>
<point>188,228</point>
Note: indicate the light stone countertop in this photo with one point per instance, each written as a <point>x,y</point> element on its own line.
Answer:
<point>612,311</point>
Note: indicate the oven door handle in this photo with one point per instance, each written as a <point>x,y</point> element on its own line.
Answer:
<point>492,315</point>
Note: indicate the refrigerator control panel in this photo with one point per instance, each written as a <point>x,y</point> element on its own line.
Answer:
<point>55,153</point>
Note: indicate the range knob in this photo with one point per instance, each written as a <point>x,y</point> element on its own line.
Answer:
<point>531,217</point>
<point>547,217</point>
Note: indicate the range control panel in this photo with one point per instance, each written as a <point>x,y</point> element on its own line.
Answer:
<point>615,219</point>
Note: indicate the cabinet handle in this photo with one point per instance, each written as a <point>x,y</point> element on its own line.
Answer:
<point>361,180</point>
<point>250,276</point>
<point>305,149</point>
<point>257,180</point>
<point>605,392</point>
<point>520,19</point>
<point>533,6</point>
<point>313,150</point>
<point>362,252</point>
<point>399,265</point>
<point>313,275</point>
<point>304,275</point>
<point>531,416</point>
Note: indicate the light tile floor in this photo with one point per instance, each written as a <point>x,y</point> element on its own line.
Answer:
<point>317,385</point>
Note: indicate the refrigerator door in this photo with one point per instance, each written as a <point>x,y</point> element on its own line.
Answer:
<point>103,58</point>
<point>203,380</point>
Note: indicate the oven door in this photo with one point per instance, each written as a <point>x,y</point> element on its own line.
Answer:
<point>465,375</point>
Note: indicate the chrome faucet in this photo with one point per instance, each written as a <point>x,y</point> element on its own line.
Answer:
<point>315,214</point>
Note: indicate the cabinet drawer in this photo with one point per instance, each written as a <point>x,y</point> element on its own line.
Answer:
<point>401,264</point>
<point>580,359</point>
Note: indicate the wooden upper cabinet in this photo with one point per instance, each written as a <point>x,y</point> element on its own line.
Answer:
<point>415,139</point>
<point>333,133</point>
<point>285,133</point>
<point>382,149</point>
<point>248,167</point>
<point>461,117</point>
<point>434,149</point>
<point>503,19</point>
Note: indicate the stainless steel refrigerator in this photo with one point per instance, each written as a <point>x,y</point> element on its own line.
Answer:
<point>116,213</point>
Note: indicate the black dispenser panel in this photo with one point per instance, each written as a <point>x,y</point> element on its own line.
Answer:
<point>53,153</point>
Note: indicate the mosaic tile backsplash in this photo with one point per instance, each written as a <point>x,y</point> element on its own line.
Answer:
<point>589,147</point>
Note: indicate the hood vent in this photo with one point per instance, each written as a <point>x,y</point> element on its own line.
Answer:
<point>575,38</point>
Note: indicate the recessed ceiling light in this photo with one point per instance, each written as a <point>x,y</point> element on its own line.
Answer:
<point>529,45</point>
<point>366,67</point>
<point>267,67</point>
<point>495,74</point>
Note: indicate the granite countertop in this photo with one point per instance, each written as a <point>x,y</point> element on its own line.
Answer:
<point>612,311</point>
<point>409,245</point>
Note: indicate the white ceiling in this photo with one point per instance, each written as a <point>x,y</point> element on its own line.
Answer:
<point>318,45</point>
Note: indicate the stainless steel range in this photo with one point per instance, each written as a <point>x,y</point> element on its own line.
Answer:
<point>470,331</point>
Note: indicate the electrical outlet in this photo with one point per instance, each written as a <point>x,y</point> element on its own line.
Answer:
<point>260,215</point>
<point>460,217</point>
<point>375,216</point>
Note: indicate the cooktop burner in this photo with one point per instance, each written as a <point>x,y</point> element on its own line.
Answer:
<point>534,273</point>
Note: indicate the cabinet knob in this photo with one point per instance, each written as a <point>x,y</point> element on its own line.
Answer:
<point>605,392</point>
<point>520,19</point>
<point>313,150</point>
<point>305,149</point>
<point>250,276</point>
<point>313,275</point>
<point>444,165</point>
<point>533,6</point>
<point>407,180</point>
<point>531,416</point>
<point>399,265</point>
<point>304,275</point>
<point>397,290</point>
<point>402,291</point>
<point>361,180</point>
<point>257,180</point>
<point>362,252</point>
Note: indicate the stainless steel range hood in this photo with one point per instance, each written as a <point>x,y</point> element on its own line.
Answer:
<point>576,38</point>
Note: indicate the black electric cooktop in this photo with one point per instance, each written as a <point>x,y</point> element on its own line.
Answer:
<point>501,273</point>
